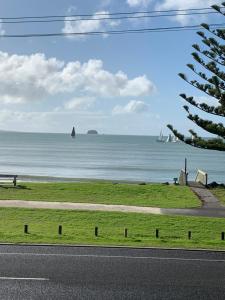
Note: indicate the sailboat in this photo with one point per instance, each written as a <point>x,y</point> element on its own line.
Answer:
<point>169,138</point>
<point>175,139</point>
<point>172,139</point>
<point>161,138</point>
<point>73,134</point>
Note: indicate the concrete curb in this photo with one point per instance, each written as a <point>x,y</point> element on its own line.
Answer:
<point>111,247</point>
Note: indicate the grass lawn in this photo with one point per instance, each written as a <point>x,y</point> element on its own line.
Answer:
<point>78,228</point>
<point>219,192</point>
<point>156,195</point>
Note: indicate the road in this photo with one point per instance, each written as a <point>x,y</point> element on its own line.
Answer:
<point>45,272</point>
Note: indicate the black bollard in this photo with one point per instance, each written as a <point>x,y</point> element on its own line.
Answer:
<point>157,233</point>
<point>222,236</point>
<point>189,235</point>
<point>125,232</point>
<point>96,231</point>
<point>26,229</point>
<point>60,229</point>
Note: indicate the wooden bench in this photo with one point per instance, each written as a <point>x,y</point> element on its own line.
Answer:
<point>6,176</point>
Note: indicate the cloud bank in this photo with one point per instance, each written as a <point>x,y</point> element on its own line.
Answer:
<point>33,77</point>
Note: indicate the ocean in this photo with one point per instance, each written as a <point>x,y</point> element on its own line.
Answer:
<point>109,157</point>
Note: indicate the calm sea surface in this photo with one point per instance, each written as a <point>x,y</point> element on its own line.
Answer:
<point>135,158</point>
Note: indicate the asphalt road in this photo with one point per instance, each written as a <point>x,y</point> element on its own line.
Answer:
<point>43,272</point>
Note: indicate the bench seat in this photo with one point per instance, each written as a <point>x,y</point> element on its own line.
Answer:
<point>7,176</point>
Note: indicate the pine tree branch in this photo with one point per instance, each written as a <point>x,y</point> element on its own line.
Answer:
<point>211,80</point>
<point>200,87</point>
<point>214,128</point>
<point>197,142</point>
<point>217,111</point>
<point>213,45</point>
<point>214,87</point>
<point>219,33</point>
<point>211,67</point>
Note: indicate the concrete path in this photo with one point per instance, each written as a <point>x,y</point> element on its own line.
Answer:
<point>205,212</point>
<point>207,198</point>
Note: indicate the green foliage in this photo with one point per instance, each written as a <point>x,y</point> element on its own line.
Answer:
<point>212,59</point>
<point>219,192</point>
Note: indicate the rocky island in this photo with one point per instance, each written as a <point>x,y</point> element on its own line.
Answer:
<point>92,132</point>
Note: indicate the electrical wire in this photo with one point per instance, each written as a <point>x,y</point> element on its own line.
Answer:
<point>67,19</point>
<point>111,14</point>
<point>111,32</point>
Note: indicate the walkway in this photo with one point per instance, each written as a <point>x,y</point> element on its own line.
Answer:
<point>204,211</point>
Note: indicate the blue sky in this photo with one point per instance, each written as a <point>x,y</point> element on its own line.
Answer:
<point>121,84</point>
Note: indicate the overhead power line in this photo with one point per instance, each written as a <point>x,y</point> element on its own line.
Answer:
<point>126,31</point>
<point>111,14</point>
<point>94,18</point>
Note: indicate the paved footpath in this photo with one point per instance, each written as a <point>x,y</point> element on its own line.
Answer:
<point>211,206</point>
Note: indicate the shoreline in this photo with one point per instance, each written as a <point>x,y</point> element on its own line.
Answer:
<point>49,179</point>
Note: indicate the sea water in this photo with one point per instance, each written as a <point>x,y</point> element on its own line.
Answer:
<point>110,157</point>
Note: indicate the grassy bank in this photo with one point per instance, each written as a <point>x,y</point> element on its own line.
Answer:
<point>219,193</point>
<point>156,195</point>
<point>78,228</point>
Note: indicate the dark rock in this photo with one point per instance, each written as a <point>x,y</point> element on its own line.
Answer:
<point>92,132</point>
<point>213,185</point>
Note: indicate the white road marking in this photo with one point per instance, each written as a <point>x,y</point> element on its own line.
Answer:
<point>23,278</point>
<point>113,256</point>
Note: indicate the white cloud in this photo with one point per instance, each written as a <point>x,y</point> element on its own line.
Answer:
<point>94,23</point>
<point>138,3</point>
<point>133,106</point>
<point>34,77</point>
<point>186,4</point>
<point>79,103</point>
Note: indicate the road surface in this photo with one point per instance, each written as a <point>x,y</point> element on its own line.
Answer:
<point>58,272</point>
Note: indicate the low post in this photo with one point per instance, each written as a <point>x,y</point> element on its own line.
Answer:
<point>26,229</point>
<point>125,232</point>
<point>96,231</point>
<point>189,235</point>
<point>222,236</point>
<point>14,180</point>
<point>60,229</point>
<point>157,233</point>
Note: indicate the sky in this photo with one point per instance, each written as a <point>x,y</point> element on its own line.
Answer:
<point>115,84</point>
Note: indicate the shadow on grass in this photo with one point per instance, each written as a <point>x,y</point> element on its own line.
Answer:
<point>19,187</point>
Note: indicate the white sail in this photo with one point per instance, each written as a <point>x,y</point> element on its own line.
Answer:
<point>169,138</point>
<point>160,138</point>
<point>175,139</point>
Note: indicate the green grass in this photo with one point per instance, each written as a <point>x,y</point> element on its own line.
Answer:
<point>219,192</point>
<point>156,195</point>
<point>78,228</point>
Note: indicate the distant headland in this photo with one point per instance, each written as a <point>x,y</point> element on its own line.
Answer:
<point>92,132</point>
